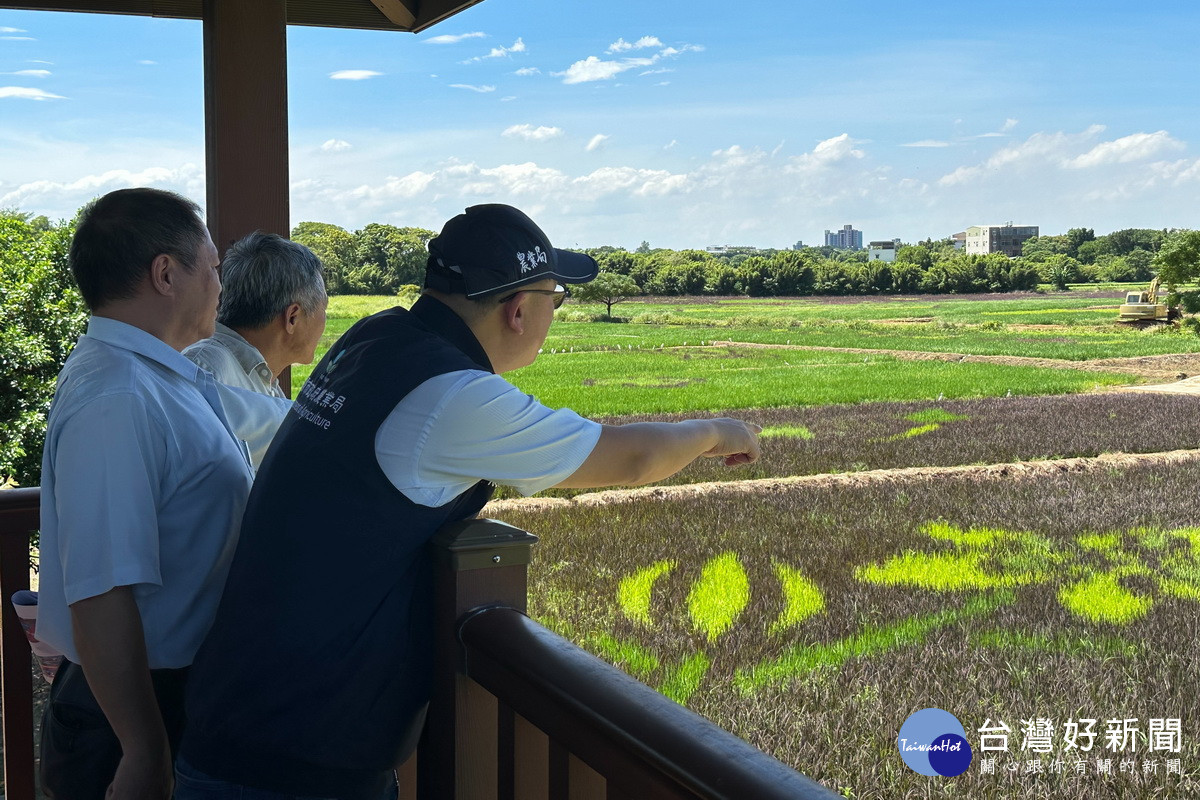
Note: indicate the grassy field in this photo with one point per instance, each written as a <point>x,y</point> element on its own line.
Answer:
<point>824,439</point>
<point>954,325</point>
<point>811,621</point>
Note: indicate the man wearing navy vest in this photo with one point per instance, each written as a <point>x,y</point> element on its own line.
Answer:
<point>403,427</point>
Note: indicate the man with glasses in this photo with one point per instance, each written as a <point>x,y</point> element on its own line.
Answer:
<point>404,426</point>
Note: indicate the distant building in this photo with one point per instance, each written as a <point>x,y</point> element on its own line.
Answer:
<point>960,240</point>
<point>799,245</point>
<point>845,239</point>
<point>883,251</point>
<point>1007,238</point>
<point>729,249</point>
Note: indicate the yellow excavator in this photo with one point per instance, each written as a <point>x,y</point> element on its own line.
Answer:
<point>1144,307</point>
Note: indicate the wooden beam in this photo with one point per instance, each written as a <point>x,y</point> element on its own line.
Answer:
<point>392,15</point>
<point>402,12</point>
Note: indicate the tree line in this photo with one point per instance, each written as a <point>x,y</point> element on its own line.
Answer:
<point>380,258</point>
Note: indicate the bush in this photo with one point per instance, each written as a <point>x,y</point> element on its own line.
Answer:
<point>41,317</point>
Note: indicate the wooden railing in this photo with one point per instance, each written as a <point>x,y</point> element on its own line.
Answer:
<point>18,517</point>
<point>518,713</point>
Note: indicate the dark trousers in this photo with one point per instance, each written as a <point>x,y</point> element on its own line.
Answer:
<point>80,752</point>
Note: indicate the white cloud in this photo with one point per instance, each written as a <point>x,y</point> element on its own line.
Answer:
<point>532,134</point>
<point>1135,147</point>
<point>671,144</point>
<point>480,89</point>
<point>4,29</point>
<point>596,141</point>
<point>523,71</point>
<point>1039,152</point>
<point>508,98</point>
<point>336,146</point>
<point>354,74</point>
<point>621,46</point>
<point>1009,124</point>
<point>187,179</point>
<point>31,73</point>
<point>455,38</point>
<point>147,62</point>
<point>594,68</point>
<point>656,71</point>
<point>500,52</point>
<point>927,143</point>
<point>25,93</point>
<point>17,39</point>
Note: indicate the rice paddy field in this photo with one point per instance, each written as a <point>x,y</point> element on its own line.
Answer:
<point>957,507</point>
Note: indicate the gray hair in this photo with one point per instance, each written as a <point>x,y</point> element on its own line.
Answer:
<point>262,274</point>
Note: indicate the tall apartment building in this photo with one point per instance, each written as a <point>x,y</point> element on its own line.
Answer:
<point>845,239</point>
<point>1006,238</point>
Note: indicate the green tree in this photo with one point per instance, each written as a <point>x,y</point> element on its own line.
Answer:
<point>41,317</point>
<point>386,258</point>
<point>609,288</point>
<point>1178,264</point>
<point>333,245</point>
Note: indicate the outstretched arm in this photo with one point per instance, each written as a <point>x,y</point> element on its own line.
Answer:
<point>645,452</point>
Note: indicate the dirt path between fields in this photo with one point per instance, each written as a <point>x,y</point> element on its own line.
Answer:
<point>1169,367</point>
<point>1020,470</point>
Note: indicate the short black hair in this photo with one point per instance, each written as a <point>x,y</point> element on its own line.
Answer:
<point>120,234</point>
<point>262,274</point>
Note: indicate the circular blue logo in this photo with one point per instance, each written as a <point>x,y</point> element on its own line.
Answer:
<point>933,742</point>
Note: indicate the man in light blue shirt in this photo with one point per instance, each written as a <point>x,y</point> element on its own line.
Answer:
<point>145,475</point>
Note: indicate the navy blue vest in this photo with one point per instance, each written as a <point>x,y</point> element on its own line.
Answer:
<point>321,652</point>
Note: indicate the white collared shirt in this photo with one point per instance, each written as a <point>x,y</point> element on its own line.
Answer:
<point>462,427</point>
<point>234,361</point>
<point>143,484</point>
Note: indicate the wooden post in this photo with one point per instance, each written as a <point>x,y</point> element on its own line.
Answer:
<point>479,563</point>
<point>246,134</point>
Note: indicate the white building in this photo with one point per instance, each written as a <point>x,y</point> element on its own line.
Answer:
<point>883,251</point>
<point>1006,238</point>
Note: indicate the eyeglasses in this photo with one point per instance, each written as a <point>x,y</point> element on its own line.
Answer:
<point>559,292</point>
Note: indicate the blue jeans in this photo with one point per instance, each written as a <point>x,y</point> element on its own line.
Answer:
<point>192,784</point>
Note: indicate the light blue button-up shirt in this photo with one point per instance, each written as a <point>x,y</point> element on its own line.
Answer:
<point>144,481</point>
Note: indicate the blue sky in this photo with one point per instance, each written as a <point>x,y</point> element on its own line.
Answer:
<point>685,124</point>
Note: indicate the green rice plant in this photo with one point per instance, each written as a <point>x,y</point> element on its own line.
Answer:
<point>691,379</point>
<point>685,679</point>
<point>719,596</point>
<point>914,432</point>
<point>789,431</point>
<point>1102,598</point>
<point>996,558</point>
<point>1097,646</point>
<point>871,640</point>
<point>634,591</point>
<point>802,598</point>
<point>634,658</point>
<point>931,415</point>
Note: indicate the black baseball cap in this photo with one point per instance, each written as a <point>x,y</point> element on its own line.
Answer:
<point>494,248</point>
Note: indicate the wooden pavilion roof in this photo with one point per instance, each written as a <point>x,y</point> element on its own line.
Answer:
<point>384,15</point>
